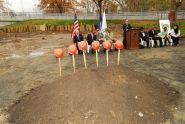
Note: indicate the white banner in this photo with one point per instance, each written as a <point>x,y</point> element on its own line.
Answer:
<point>165,23</point>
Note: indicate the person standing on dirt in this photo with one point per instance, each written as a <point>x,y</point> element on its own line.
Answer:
<point>126,27</point>
<point>78,38</point>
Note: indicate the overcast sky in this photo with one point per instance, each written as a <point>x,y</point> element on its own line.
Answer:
<point>27,5</point>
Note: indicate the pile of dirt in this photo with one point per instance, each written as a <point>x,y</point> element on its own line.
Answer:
<point>113,95</point>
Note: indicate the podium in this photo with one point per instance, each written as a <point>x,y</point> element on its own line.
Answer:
<point>132,39</point>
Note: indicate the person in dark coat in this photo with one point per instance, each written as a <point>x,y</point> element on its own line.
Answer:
<point>126,27</point>
<point>154,35</point>
<point>175,35</point>
<point>144,36</point>
<point>90,38</point>
<point>78,38</point>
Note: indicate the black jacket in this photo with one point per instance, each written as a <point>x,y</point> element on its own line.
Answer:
<point>152,33</point>
<point>91,38</point>
<point>77,39</point>
<point>145,36</point>
<point>126,27</point>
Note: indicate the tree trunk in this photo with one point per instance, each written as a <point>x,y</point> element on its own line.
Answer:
<point>172,5</point>
<point>60,7</point>
<point>175,4</point>
<point>99,6</point>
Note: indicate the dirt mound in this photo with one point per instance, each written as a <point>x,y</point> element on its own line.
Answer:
<point>98,96</point>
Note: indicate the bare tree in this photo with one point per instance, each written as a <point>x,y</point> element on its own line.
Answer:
<point>121,3</point>
<point>88,5</point>
<point>55,6</point>
<point>147,5</point>
<point>175,4</point>
<point>2,5</point>
<point>99,4</point>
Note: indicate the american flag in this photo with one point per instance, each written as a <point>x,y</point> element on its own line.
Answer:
<point>75,27</point>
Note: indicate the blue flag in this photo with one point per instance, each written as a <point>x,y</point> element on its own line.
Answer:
<point>99,22</point>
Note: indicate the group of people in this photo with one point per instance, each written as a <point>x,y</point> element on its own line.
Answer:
<point>163,37</point>
<point>159,38</point>
<point>97,35</point>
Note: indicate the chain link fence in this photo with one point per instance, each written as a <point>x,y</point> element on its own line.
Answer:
<point>155,15</point>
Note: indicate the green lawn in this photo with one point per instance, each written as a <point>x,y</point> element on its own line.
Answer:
<point>135,23</point>
<point>57,22</point>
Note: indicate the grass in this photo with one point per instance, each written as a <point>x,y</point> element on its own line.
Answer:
<point>56,22</point>
<point>134,23</point>
<point>182,26</point>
